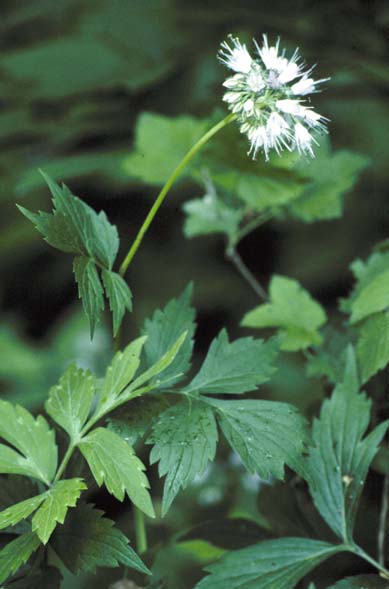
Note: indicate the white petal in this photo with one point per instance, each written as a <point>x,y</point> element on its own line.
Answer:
<point>289,106</point>
<point>236,57</point>
<point>303,139</point>
<point>255,81</point>
<point>289,72</point>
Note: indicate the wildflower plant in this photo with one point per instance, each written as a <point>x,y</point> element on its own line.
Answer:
<point>94,426</point>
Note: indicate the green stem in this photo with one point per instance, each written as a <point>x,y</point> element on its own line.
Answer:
<point>165,189</point>
<point>234,257</point>
<point>140,530</point>
<point>360,552</point>
<point>64,462</point>
<point>253,224</point>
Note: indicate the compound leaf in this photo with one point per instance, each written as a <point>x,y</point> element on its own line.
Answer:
<point>88,540</point>
<point>293,311</point>
<point>184,438</point>
<point>70,400</point>
<point>119,296</point>
<point>163,329</point>
<point>14,514</point>
<point>272,564</point>
<point>361,582</point>
<point>265,434</point>
<point>134,420</point>
<point>17,553</point>
<point>235,367</point>
<point>340,457</point>
<point>373,297</point>
<point>113,462</point>
<point>57,500</point>
<point>209,215</point>
<point>37,451</point>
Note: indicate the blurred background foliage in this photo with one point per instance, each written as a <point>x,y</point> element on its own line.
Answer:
<point>76,78</point>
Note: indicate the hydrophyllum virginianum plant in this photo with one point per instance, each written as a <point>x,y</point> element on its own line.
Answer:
<point>146,392</point>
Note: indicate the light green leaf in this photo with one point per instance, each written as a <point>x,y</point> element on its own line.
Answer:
<point>119,296</point>
<point>89,290</point>
<point>20,511</point>
<point>113,462</point>
<point>58,499</point>
<point>70,400</point>
<point>87,541</point>
<point>272,564</point>
<point>340,458</point>
<point>162,331</point>
<point>362,582</point>
<point>76,228</point>
<point>35,441</point>
<point>184,438</point>
<point>330,176</point>
<point>119,373</point>
<point>266,434</point>
<point>155,370</point>
<point>160,144</point>
<point>373,345</point>
<point>17,553</point>
<point>235,367</point>
<point>293,311</point>
<point>365,273</point>
<point>209,215</point>
<point>372,298</point>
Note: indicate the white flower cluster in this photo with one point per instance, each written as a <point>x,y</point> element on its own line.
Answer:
<point>266,95</point>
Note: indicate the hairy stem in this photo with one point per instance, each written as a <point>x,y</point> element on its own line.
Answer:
<point>382,521</point>
<point>234,257</point>
<point>165,189</point>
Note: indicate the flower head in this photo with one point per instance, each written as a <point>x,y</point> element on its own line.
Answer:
<point>268,95</point>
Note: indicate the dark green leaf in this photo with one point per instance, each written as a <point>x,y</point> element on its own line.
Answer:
<point>162,331</point>
<point>362,582</point>
<point>373,345</point>
<point>265,434</point>
<point>135,419</point>
<point>89,290</point>
<point>340,458</point>
<point>211,215</point>
<point>88,540</point>
<point>235,367</point>
<point>229,534</point>
<point>272,564</point>
<point>184,438</point>
<point>119,296</point>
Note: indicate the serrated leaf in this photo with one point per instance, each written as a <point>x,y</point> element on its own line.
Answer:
<point>329,359</point>
<point>373,297</point>
<point>209,215</point>
<point>184,438</point>
<point>235,367</point>
<point>162,331</point>
<point>266,434</point>
<point>340,458</point>
<point>272,564</point>
<point>373,345</point>
<point>135,419</point>
<point>70,400</point>
<point>156,369</point>
<point>293,311</point>
<point>34,440</point>
<point>362,582</point>
<point>15,513</point>
<point>120,372</point>
<point>58,499</point>
<point>119,296</point>
<point>113,462</point>
<point>156,134</point>
<point>90,290</point>
<point>330,176</point>
<point>76,228</point>
<point>88,540</point>
<point>17,553</point>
